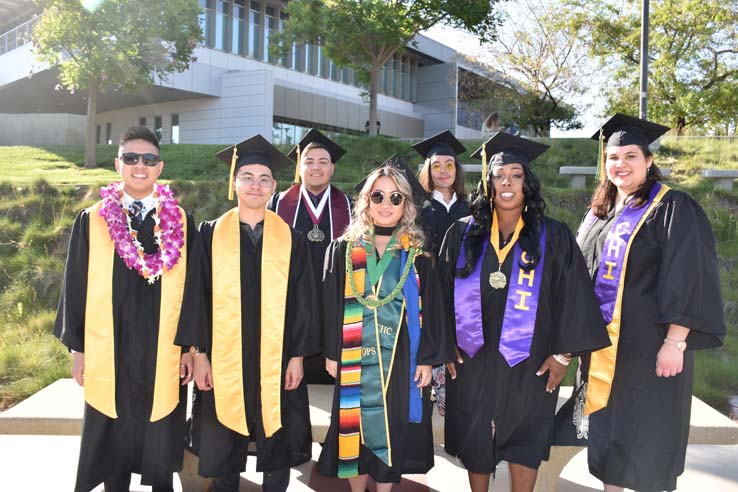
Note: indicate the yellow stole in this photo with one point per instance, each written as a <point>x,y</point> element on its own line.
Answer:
<point>99,340</point>
<point>226,356</point>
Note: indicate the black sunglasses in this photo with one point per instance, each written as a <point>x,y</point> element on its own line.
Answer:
<point>395,198</point>
<point>131,159</point>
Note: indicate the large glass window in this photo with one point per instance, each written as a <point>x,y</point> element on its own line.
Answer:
<point>311,58</point>
<point>175,128</point>
<point>108,131</point>
<point>98,130</point>
<point>206,21</point>
<point>270,26</point>
<point>395,76</point>
<point>158,130</point>
<point>413,79</point>
<point>286,60</point>
<point>222,21</point>
<point>256,32</point>
<point>335,71</point>
<point>239,18</point>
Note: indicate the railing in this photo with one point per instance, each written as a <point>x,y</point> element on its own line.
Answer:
<point>17,37</point>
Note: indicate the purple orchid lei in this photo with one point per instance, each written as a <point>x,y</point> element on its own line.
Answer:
<point>168,232</point>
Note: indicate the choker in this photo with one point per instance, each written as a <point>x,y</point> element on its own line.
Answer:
<point>383,231</point>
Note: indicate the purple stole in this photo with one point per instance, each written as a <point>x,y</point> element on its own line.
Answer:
<point>521,306</point>
<point>340,212</point>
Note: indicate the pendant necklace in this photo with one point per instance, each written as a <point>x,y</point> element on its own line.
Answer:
<point>498,280</point>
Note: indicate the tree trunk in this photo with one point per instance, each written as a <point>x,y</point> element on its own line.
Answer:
<point>681,124</point>
<point>373,82</point>
<point>90,133</point>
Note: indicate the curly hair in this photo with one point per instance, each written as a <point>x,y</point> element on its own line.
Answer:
<point>426,179</point>
<point>362,227</point>
<point>481,207</point>
<point>606,193</point>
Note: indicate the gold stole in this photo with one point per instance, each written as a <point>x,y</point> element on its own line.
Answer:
<point>226,356</point>
<point>99,340</point>
<point>602,362</point>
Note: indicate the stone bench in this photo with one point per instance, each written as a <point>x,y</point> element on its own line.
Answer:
<point>579,174</point>
<point>723,177</point>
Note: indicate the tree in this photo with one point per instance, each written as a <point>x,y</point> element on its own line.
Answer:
<point>115,43</point>
<point>693,58</point>
<point>363,35</point>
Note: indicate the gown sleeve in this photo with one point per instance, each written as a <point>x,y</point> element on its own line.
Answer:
<point>69,326</point>
<point>333,294</point>
<point>446,269</point>
<point>304,337</point>
<point>436,339</point>
<point>689,282</point>
<point>577,321</point>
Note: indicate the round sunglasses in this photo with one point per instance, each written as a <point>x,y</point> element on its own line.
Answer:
<point>131,159</point>
<point>395,198</point>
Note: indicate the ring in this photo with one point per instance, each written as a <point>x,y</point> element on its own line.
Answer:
<point>181,365</point>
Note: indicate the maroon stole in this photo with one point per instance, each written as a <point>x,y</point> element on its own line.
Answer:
<point>340,211</point>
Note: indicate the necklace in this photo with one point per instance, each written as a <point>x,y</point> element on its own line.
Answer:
<point>498,280</point>
<point>168,233</point>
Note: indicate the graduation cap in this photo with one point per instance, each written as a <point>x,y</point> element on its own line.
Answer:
<point>621,130</point>
<point>419,193</point>
<point>255,150</point>
<point>443,143</point>
<point>314,136</point>
<point>503,148</point>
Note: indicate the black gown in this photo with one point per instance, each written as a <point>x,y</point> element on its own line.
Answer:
<point>639,440</point>
<point>487,390</point>
<point>413,451</point>
<point>436,220</point>
<point>221,450</point>
<point>129,443</point>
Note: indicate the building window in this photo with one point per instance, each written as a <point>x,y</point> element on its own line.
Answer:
<point>142,121</point>
<point>222,22</point>
<point>255,30</point>
<point>239,19</point>
<point>311,59</point>
<point>335,71</point>
<point>206,19</point>
<point>270,26</point>
<point>413,79</point>
<point>286,60</point>
<point>97,134</point>
<point>158,130</point>
<point>175,128</point>
<point>108,131</point>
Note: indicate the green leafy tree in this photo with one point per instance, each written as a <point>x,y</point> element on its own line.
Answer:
<point>115,44</point>
<point>363,35</point>
<point>693,58</point>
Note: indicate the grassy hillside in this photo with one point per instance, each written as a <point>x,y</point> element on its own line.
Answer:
<point>45,188</point>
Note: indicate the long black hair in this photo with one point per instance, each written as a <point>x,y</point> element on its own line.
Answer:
<point>534,208</point>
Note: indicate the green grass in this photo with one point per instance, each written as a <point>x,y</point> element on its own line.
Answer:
<point>36,215</point>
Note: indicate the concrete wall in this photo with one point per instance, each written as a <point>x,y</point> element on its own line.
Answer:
<point>42,129</point>
<point>437,97</point>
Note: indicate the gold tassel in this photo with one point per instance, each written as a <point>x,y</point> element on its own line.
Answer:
<point>600,174</point>
<point>233,170</point>
<point>297,166</point>
<point>484,169</point>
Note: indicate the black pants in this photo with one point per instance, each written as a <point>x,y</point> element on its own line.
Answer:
<point>275,481</point>
<point>121,482</point>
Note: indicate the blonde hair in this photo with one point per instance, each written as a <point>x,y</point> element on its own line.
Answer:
<point>362,227</point>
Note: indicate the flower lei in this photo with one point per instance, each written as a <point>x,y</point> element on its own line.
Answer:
<point>168,233</point>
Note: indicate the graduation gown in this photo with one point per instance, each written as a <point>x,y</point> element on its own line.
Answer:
<point>315,372</point>
<point>221,450</point>
<point>436,220</point>
<point>412,443</point>
<point>639,440</point>
<point>487,393</point>
<point>129,443</point>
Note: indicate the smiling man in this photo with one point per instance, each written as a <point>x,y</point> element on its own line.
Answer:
<point>249,347</point>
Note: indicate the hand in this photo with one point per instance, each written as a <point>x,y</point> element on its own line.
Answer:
<point>556,372</point>
<point>203,373</point>
<point>78,367</point>
<point>669,361</point>
<point>293,374</point>
<point>451,367</point>
<point>186,368</point>
<point>331,366</point>
<point>423,375</point>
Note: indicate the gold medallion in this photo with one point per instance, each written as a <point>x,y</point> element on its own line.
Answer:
<point>497,280</point>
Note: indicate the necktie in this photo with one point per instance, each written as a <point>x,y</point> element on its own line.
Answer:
<point>135,209</point>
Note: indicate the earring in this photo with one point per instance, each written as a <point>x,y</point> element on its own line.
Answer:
<point>525,210</point>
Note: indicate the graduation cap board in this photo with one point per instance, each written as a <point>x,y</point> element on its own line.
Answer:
<point>255,150</point>
<point>419,193</point>
<point>503,148</point>
<point>443,143</point>
<point>314,136</point>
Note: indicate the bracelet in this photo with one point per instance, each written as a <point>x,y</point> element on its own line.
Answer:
<point>563,359</point>
<point>680,345</point>
<point>196,351</point>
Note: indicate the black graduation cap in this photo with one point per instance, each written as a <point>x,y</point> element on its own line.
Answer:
<point>443,143</point>
<point>621,130</point>
<point>255,150</point>
<point>503,148</point>
<point>419,193</point>
<point>313,135</point>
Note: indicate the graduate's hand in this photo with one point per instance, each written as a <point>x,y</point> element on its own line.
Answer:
<point>331,366</point>
<point>203,373</point>
<point>423,375</point>
<point>294,373</point>
<point>451,367</point>
<point>669,361</point>
<point>78,367</point>
<point>556,372</point>
<point>186,368</point>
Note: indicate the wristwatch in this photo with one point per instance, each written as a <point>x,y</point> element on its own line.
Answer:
<point>196,351</point>
<point>679,344</point>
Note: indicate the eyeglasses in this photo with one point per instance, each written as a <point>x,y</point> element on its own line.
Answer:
<point>131,159</point>
<point>395,198</point>
<point>448,167</point>
<point>250,180</point>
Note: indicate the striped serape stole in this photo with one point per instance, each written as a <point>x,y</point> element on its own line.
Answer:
<point>349,420</point>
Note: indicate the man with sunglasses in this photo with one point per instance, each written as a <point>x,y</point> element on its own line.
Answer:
<point>248,314</point>
<point>118,315</point>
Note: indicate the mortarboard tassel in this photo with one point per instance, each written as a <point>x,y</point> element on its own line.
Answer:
<point>484,169</point>
<point>297,166</point>
<point>233,170</point>
<point>600,174</point>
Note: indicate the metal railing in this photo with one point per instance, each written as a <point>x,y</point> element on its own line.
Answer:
<point>18,36</point>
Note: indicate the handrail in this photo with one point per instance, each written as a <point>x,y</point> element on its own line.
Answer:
<point>18,36</point>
